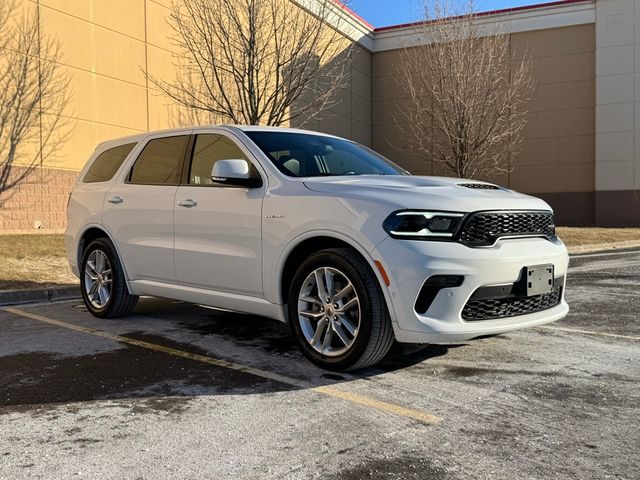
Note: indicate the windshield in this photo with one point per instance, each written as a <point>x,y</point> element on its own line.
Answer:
<point>308,155</point>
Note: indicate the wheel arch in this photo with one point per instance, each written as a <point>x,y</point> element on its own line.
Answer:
<point>91,233</point>
<point>302,247</point>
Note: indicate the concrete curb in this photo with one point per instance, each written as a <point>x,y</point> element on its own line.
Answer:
<point>40,295</point>
<point>599,247</point>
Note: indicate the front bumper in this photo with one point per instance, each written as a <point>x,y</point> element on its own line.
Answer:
<point>409,263</point>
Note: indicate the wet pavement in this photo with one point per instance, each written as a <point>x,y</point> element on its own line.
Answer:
<point>552,402</point>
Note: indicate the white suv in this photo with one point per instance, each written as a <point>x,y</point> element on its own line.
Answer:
<point>313,230</point>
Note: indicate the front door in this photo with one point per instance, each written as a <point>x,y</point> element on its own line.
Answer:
<point>218,228</point>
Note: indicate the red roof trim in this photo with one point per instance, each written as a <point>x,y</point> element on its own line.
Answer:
<point>492,12</point>
<point>353,14</point>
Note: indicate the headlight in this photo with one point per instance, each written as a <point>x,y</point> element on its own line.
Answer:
<point>423,225</point>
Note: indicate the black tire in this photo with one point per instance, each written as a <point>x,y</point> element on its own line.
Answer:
<point>375,335</point>
<point>120,302</point>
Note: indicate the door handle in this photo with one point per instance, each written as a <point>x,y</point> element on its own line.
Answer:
<point>115,200</point>
<point>188,203</point>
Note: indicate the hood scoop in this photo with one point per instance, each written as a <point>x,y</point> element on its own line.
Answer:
<point>479,186</point>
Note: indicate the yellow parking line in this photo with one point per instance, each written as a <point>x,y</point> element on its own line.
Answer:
<point>590,332</point>
<point>378,405</point>
<point>325,390</point>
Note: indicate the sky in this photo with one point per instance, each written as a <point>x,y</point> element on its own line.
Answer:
<point>381,13</point>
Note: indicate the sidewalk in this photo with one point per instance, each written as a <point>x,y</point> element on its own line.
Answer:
<point>598,247</point>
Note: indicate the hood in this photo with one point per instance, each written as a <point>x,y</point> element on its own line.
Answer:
<point>442,193</point>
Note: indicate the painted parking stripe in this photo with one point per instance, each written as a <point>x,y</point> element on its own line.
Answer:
<point>590,332</point>
<point>354,398</point>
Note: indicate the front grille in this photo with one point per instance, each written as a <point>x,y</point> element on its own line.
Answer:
<point>493,308</point>
<point>484,228</point>
<point>479,186</point>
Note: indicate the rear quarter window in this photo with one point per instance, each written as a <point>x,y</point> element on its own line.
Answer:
<point>105,166</point>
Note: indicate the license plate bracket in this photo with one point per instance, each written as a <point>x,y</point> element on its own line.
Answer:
<point>538,279</point>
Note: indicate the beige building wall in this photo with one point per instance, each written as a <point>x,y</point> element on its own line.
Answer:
<point>350,117</point>
<point>557,161</point>
<point>581,145</point>
<point>103,45</point>
<point>106,47</point>
<point>558,153</point>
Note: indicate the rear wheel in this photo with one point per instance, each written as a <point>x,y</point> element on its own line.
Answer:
<point>338,313</point>
<point>103,285</point>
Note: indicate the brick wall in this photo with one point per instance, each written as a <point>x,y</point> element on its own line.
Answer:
<point>41,199</point>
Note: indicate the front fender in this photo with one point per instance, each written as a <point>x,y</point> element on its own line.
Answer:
<point>275,270</point>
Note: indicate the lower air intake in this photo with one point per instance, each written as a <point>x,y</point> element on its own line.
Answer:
<point>494,308</point>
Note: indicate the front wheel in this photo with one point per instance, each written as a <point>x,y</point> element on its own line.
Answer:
<point>102,281</point>
<point>338,313</point>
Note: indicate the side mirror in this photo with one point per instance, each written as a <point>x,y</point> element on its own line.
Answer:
<point>234,172</point>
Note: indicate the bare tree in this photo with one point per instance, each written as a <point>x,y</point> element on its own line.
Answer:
<point>33,95</point>
<point>467,93</point>
<point>264,62</point>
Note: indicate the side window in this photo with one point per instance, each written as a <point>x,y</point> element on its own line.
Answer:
<point>105,166</point>
<point>208,149</point>
<point>160,162</point>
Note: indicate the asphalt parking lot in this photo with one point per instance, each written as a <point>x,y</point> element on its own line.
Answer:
<point>180,391</point>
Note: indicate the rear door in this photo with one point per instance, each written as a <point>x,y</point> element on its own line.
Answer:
<point>139,210</point>
<point>218,228</point>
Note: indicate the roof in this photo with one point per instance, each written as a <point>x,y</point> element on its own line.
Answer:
<point>353,14</point>
<point>186,130</point>
<point>491,12</point>
<point>260,128</point>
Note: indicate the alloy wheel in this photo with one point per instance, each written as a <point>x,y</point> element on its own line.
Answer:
<point>98,279</point>
<point>329,311</point>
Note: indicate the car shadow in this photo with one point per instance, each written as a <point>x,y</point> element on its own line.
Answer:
<point>39,379</point>
<point>275,341</point>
